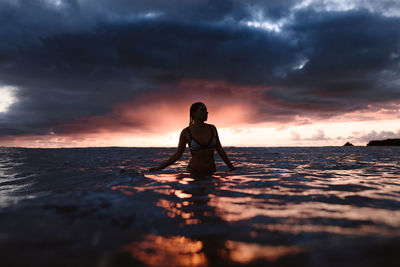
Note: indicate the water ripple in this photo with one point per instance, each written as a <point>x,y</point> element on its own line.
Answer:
<point>276,209</point>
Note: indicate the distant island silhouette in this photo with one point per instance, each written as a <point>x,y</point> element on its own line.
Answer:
<point>387,142</point>
<point>348,144</point>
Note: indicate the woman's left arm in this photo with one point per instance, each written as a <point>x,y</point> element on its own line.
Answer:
<point>221,151</point>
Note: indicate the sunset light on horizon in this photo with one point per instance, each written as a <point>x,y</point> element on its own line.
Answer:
<point>271,73</point>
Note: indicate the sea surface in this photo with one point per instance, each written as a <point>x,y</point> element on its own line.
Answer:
<point>308,206</point>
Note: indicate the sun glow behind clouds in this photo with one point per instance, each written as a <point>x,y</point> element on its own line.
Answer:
<point>7,98</point>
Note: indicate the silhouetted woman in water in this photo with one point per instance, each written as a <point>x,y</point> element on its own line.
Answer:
<point>203,141</point>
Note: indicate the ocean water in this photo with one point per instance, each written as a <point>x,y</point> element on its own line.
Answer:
<point>320,206</point>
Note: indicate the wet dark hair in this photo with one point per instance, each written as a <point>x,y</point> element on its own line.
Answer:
<point>193,108</point>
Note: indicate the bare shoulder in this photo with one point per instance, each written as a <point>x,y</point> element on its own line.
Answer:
<point>185,132</point>
<point>214,129</point>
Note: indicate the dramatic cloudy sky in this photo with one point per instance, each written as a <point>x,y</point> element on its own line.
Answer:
<point>125,72</point>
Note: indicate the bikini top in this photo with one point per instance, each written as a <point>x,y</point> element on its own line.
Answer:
<point>196,145</point>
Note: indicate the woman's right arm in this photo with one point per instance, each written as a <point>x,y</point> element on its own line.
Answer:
<point>177,155</point>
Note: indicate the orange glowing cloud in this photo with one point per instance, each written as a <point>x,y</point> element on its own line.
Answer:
<point>244,115</point>
<point>168,110</point>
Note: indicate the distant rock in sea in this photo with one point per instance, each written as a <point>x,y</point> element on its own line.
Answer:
<point>387,142</point>
<point>348,144</point>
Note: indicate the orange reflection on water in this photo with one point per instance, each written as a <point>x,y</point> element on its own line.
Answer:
<point>174,210</point>
<point>245,252</point>
<point>124,189</point>
<point>162,177</point>
<point>156,250</point>
<point>239,208</point>
<point>186,180</point>
<point>169,207</point>
<point>181,194</point>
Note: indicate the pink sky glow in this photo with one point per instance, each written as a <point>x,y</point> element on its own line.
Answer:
<point>156,119</point>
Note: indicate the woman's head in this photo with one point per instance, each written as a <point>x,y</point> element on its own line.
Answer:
<point>198,111</point>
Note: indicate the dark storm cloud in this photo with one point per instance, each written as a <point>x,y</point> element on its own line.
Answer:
<point>79,58</point>
<point>351,61</point>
